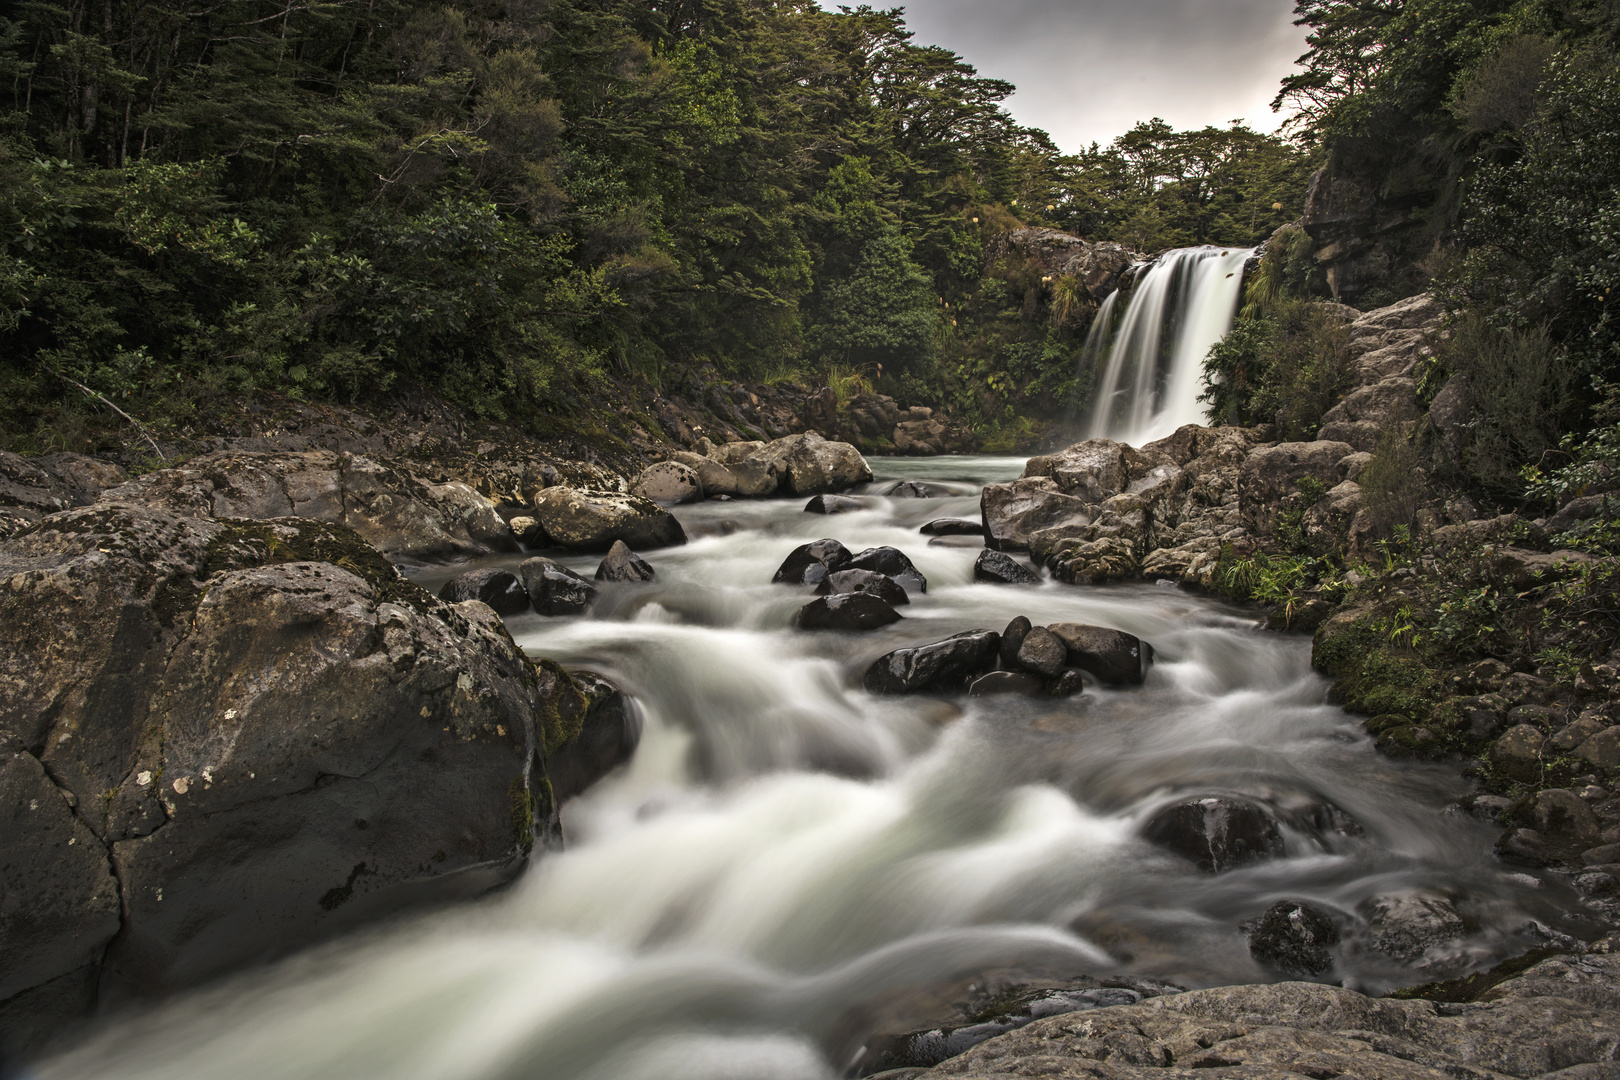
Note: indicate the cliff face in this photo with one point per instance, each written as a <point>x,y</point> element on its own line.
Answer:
<point>1373,230</point>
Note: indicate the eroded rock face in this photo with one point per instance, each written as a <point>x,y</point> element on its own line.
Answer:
<point>1014,512</point>
<point>1559,1015</point>
<point>255,762</point>
<point>398,514</point>
<point>941,665</point>
<point>1271,474</point>
<point>589,520</point>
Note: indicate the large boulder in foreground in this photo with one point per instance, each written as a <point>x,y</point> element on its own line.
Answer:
<point>255,745</point>
<point>940,665</point>
<point>810,465</point>
<point>586,519</point>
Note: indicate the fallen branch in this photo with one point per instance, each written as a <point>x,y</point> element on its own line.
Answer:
<point>142,428</point>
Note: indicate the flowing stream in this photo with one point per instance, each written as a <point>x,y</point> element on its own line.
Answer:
<point>789,864</point>
<point>1152,376</point>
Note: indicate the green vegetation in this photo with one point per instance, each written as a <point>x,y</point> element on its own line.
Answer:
<point>517,206</point>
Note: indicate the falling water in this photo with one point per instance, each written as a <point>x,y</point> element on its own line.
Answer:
<point>1183,305</point>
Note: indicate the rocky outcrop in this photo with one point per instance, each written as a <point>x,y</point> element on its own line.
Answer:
<point>402,516</point>
<point>230,738</point>
<point>1559,1018</point>
<point>590,520</point>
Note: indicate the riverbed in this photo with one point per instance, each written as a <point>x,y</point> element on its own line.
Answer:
<point>789,864</point>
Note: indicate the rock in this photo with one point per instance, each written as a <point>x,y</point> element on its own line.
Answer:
<point>497,588</point>
<point>1524,847</point>
<point>602,733</point>
<point>1557,1019</point>
<point>1092,470</point>
<point>739,479</point>
<point>1067,684</point>
<point>529,532</point>
<point>1013,512</point>
<point>1407,926</point>
<point>400,515</point>
<point>553,588</point>
<point>832,504</point>
<point>894,563</point>
<point>59,901</point>
<point>1042,652</point>
<point>1012,638</point>
<point>1218,833</point>
<point>732,453</point>
<point>941,665</point>
<point>588,520</point>
<point>1518,753</point>
<point>622,564</point>
<point>918,489</point>
<point>1113,656</point>
<point>809,564</point>
<point>953,527</point>
<point>1000,569</point>
<point>298,747</point>
<point>1602,750</point>
<point>1271,474</point>
<point>810,465</point>
<point>1293,938</point>
<point>668,483</point>
<point>882,586</point>
<point>845,611</point>
<point>1557,812</point>
<point>1093,562</point>
<point>1006,682</point>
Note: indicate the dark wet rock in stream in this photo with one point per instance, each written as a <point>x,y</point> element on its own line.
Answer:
<point>1007,682</point>
<point>1414,928</point>
<point>846,611</point>
<point>809,564</point>
<point>940,665</point>
<point>1113,656</point>
<point>1041,652</point>
<point>500,589</point>
<point>919,489</point>
<point>832,504</point>
<point>1000,569</point>
<point>607,733</point>
<point>879,585</point>
<point>284,748</point>
<point>1294,938</point>
<point>893,562</point>
<point>554,589</point>
<point>1217,832</point>
<point>1011,638</point>
<point>624,565</point>
<point>952,527</point>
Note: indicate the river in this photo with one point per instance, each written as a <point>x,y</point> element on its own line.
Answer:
<point>789,863</point>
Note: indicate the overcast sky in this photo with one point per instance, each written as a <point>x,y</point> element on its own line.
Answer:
<point>1089,69</point>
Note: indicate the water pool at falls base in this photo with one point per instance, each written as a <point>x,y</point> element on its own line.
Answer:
<point>789,865</point>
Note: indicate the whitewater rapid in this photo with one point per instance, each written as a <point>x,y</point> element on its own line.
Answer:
<point>789,864</point>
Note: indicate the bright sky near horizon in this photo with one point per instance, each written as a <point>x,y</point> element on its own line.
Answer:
<point>1087,70</point>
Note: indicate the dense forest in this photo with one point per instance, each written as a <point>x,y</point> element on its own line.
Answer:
<point>512,203</point>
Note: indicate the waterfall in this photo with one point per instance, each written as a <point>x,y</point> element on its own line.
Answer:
<point>1155,359</point>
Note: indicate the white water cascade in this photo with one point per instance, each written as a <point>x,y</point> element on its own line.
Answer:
<point>1183,305</point>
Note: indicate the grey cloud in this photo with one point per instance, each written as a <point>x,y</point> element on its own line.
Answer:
<point>1086,70</point>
